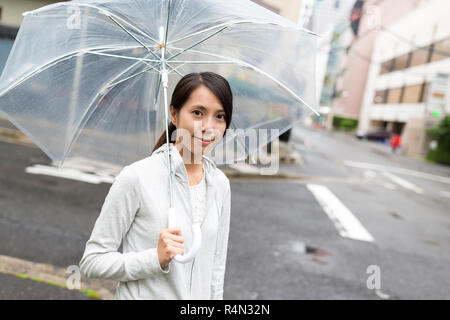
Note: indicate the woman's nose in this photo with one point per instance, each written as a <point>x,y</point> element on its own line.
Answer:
<point>208,124</point>
<point>208,130</point>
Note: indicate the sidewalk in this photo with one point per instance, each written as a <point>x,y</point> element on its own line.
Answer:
<point>9,133</point>
<point>17,288</point>
<point>280,170</point>
<point>44,281</point>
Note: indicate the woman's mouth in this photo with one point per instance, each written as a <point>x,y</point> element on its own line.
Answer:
<point>204,142</point>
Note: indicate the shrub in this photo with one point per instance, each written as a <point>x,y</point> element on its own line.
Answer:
<point>441,134</point>
<point>344,123</point>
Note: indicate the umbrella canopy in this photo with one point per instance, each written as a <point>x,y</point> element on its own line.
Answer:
<point>84,78</point>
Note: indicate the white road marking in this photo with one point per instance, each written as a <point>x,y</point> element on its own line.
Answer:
<point>346,223</point>
<point>413,173</point>
<point>244,168</point>
<point>403,183</point>
<point>381,294</point>
<point>369,174</point>
<point>445,194</point>
<point>68,173</point>
<point>388,185</point>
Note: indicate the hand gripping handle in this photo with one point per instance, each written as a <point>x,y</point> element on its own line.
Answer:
<point>196,243</point>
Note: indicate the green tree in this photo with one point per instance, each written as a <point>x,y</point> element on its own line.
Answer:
<point>441,134</point>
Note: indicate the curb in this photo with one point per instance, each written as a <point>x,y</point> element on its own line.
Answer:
<point>15,136</point>
<point>286,176</point>
<point>52,275</point>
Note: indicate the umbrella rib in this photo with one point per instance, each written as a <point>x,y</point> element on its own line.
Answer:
<point>102,93</point>
<point>111,48</point>
<point>151,67</point>
<point>166,30</point>
<point>120,56</point>
<point>144,61</point>
<point>131,35</point>
<point>196,43</point>
<point>203,62</point>
<point>53,62</point>
<point>135,75</point>
<point>158,87</point>
<point>200,32</point>
<point>174,69</point>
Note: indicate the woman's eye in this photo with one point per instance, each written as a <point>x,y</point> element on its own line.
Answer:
<point>222,115</point>
<point>197,114</point>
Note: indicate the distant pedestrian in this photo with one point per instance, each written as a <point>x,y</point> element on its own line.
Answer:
<point>395,142</point>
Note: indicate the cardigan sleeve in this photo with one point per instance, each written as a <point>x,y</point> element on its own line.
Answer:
<point>220,256</point>
<point>101,258</point>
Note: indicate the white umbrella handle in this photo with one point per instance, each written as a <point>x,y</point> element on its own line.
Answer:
<point>196,242</point>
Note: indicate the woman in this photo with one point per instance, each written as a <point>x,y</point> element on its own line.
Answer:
<point>135,209</point>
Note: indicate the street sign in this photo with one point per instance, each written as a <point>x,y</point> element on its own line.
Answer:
<point>436,99</point>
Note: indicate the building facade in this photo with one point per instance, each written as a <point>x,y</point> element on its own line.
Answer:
<point>408,86</point>
<point>289,9</point>
<point>351,83</point>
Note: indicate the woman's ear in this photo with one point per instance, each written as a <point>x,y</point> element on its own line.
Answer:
<point>173,116</point>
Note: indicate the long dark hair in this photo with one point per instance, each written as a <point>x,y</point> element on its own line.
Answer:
<point>213,81</point>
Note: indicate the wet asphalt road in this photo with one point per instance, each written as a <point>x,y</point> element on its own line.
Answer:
<point>48,219</point>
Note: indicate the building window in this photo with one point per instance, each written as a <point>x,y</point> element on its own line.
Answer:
<point>433,52</point>
<point>420,56</point>
<point>412,94</point>
<point>402,94</point>
<point>380,96</point>
<point>406,94</point>
<point>441,50</point>
<point>424,92</point>
<point>387,66</point>
<point>394,95</point>
<point>402,62</point>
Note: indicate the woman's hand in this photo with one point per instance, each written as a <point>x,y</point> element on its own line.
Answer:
<point>170,243</point>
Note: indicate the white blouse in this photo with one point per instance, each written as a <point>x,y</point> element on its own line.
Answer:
<point>198,199</point>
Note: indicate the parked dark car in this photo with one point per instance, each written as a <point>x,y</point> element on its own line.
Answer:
<point>379,134</point>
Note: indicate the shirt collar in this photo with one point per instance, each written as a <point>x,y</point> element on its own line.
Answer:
<point>178,168</point>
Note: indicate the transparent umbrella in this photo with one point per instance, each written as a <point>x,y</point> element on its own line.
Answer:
<point>90,79</point>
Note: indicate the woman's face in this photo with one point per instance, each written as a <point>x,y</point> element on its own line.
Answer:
<point>200,121</point>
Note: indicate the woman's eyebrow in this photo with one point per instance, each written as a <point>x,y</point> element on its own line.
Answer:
<point>203,108</point>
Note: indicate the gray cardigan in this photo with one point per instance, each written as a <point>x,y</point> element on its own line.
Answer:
<point>135,211</point>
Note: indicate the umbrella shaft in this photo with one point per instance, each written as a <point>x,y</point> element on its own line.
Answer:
<point>165,80</point>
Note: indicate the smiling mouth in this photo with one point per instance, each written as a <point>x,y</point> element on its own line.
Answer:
<point>204,140</point>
